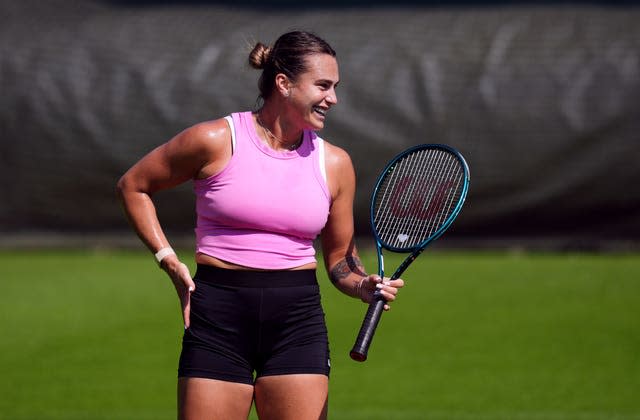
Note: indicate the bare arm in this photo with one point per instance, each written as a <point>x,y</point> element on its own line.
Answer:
<point>341,258</point>
<point>196,152</point>
<point>192,153</point>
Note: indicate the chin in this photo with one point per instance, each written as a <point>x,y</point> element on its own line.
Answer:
<point>316,124</point>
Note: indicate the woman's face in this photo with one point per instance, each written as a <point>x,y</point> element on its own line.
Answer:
<point>314,92</point>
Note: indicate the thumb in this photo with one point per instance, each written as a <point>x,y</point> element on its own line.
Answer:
<point>186,276</point>
<point>186,312</point>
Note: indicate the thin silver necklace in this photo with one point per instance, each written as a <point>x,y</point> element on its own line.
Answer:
<point>268,133</point>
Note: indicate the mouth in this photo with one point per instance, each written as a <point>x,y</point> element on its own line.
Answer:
<point>320,111</point>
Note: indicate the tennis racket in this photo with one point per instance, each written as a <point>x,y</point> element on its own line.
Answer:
<point>415,199</point>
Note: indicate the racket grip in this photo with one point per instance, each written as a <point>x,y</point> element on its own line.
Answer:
<point>368,329</point>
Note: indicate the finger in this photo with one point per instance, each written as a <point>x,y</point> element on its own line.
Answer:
<point>185,275</point>
<point>186,311</point>
<point>389,297</point>
<point>374,278</point>
<point>187,285</point>
<point>191,286</point>
<point>397,283</point>
<point>386,287</point>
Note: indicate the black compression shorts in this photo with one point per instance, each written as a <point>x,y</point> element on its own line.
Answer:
<point>267,322</point>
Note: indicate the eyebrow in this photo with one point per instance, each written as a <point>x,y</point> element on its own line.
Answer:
<point>328,81</point>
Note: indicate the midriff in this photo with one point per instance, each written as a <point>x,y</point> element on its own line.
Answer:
<point>216,262</point>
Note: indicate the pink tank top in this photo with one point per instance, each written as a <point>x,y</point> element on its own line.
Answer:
<point>266,207</point>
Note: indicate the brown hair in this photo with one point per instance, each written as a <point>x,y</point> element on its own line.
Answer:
<point>286,56</point>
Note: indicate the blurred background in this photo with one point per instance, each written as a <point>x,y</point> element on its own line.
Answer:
<point>542,98</point>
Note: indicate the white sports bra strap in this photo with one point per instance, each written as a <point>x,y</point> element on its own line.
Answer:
<point>323,169</point>
<point>229,119</point>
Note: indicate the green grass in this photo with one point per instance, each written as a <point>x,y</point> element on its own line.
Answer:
<point>474,336</point>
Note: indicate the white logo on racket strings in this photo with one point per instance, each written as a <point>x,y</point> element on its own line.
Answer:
<point>403,237</point>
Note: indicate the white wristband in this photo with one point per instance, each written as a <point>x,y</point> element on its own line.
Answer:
<point>362,292</point>
<point>160,255</point>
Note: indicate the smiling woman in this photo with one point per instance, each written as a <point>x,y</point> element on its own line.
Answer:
<point>306,87</point>
<point>266,186</point>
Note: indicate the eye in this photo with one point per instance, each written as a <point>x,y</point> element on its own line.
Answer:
<point>326,84</point>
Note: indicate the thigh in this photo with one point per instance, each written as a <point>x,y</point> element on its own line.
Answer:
<point>294,336</point>
<point>204,399</point>
<point>220,340</point>
<point>292,397</point>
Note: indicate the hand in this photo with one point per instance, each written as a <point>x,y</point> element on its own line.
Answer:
<point>373,285</point>
<point>182,281</point>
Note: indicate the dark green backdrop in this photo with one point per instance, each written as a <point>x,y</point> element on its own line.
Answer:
<point>544,102</point>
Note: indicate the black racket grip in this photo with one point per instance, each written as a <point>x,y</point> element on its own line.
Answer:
<point>368,329</point>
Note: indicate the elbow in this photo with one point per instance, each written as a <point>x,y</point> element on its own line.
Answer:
<point>121,188</point>
<point>129,187</point>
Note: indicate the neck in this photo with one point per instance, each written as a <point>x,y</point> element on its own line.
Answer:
<point>274,141</point>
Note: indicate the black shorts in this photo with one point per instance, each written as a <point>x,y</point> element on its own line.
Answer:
<point>267,322</point>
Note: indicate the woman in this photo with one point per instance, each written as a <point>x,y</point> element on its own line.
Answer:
<point>266,185</point>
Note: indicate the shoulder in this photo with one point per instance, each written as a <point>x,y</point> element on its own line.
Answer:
<point>340,172</point>
<point>207,145</point>
<point>336,158</point>
<point>207,134</point>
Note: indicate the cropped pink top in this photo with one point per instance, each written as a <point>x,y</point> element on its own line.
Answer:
<point>266,207</point>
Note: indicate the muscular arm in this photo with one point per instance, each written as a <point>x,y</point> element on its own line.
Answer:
<point>197,152</point>
<point>338,246</point>
<point>192,153</point>
<point>341,258</point>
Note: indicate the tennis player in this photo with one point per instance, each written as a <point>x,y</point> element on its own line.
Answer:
<point>266,186</point>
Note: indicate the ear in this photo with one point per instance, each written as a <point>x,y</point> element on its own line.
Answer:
<point>283,84</point>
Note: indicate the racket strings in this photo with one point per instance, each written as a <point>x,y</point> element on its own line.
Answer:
<point>408,222</point>
<point>394,218</point>
<point>417,196</point>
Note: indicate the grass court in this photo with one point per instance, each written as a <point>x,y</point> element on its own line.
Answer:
<point>474,335</point>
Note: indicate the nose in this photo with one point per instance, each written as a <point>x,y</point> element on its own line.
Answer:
<point>332,97</point>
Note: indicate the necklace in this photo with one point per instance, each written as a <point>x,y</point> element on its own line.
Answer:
<point>268,134</point>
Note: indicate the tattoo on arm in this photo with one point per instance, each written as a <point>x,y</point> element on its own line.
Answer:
<point>351,264</point>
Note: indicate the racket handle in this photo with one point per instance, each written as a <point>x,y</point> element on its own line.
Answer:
<point>368,329</point>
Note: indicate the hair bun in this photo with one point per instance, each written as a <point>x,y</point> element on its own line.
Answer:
<point>259,56</point>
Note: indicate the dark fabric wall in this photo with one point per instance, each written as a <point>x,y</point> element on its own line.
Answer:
<point>543,101</point>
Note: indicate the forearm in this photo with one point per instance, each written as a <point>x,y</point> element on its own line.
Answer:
<point>141,214</point>
<point>351,278</point>
<point>347,276</point>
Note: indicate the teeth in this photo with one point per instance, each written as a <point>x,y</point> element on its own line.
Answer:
<point>319,111</point>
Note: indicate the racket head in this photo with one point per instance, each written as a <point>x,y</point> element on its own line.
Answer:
<point>417,196</point>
